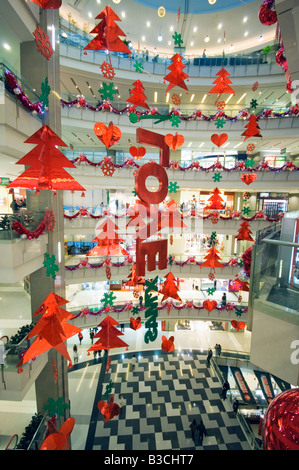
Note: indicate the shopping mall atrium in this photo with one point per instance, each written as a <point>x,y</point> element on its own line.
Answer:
<point>149,229</point>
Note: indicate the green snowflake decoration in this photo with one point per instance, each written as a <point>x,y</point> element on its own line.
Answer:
<point>108,91</point>
<point>134,192</point>
<point>253,104</point>
<point>241,262</point>
<point>51,266</point>
<point>108,389</point>
<point>220,123</point>
<point>170,260</point>
<point>213,236</point>
<point>44,97</point>
<point>211,290</point>
<point>138,66</point>
<point>246,210</point>
<point>108,299</point>
<point>175,120</point>
<point>56,407</point>
<point>135,310</point>
<point>239,312</point>
<point>217,177</point>
<point>249,162</point>
<point>173,187</point>
<point>178,41</point>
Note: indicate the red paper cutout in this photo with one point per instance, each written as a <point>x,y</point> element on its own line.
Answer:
<point>170,288</point>
<point>146,170</point>
<point>209,305</point>
<point>248,178</point>
<point>48,4</point>
<point>167,344</point>
<point>252,128</point>
<point>109,410</point>
<point>108,33</point>
<point>108,336</point>
<point>58,440</point>
<point>220,105</point>
<point>150,249</point>
<point>222,83</point>
<point>137,97</point>
<point>137,152</point>
<point>108,241</point>
<point>135,323</point>
<point>108,135</point>
<point>219,139</point>
<point>174,141</point>
<point>107,167</point>
<point>46,164</point>
<point>43,43</point>
<point>212,259</point>
<point>176,76</point>
<point>107,70</point>
<point>176,99</point>
<point>238,325</point>
<point>244,232</point>
<point>255,86</point>
<point>217,202</point>
<point>250,147</point>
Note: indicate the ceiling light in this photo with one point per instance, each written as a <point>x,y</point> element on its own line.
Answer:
<point>238,145</point>
<point>123,14</point>
<point>99,1</point>
<point>160,37</point>
<point>219,25</point>
<point>90,14</point>
<point>143,38</point>
<point>212,2</point>
<point>204,98</point>
<point>156,97</point>
<point>189,145</point>
<point>243,96</point>
<point>192,98</point>
<point>161,12</point>
<point>219,40</point>
<point>167,97</point>
<point>245,19</point>
<point>192,43</point>
<point>148,23</point>
<point>246,33</point>
<point>194,29</point>
<point>6,46</point>
<point>207,38</point>
<point>169,43</point>
<point>114,1</point>
<point>171,28</point>
<point>230,96</point>
<point>201,145</point>
<point>225,145</point>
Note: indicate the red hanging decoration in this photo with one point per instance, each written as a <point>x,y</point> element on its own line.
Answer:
<point>238,325</point>
<point>212,259</point>
<point>108,241</point>
<point>107,34</point>
<point>48,4</point>
<point>222,83</point>
<point>175,98</point>
<point>244,232</point>
<point>167,344</point>
<point>267,14</point>
<point>209,305</point>
<point>248,178</point>
<point>137,97</point>
<point>107,167</point>
<point>252,128</point>
<point>174,141</point>
<point>107,70</point>
<point>137,152</point>
<point>217,202</point>
<point>108,135</point>
<point>219,139</point>
<point>54,367</point>
<point>108,336</point>
<point>52,330</point>
<point>109,410</point>
<point>133,279</point>
<point>177,76</point>
<point>46,165</point>
<point>58,440</point>
<point>43,43</point>
<point>135,323</point>
<point>220,105</point>
<point>170,288</point>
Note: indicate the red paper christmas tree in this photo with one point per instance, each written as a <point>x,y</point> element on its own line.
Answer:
<point>216,200</point>
<point>212,259</point>
<point>176,76</point>
<point>48,4</point>
<point>244,232</point>
<point>138,97</point>
<point>108,336</point>
<point>52,330</point>
<point>171,216</point>
<point>46,164</point>
<point>108,241</point>
<point>222,83</point>
<point>133,279</point>
<point>108,33</point>
<point>252,128</point>
<point>170,288</point>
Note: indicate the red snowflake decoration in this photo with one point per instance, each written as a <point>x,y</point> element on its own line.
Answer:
<point>211,276</point>
<point>108,273</point>
<point>214,217</point>
<point>220,105</point>
<point>43,43</point>
<point>250,148</point>
<point>49,220</point>
<point>176,99</point>
<point>107,70</point>
<point>108,168</point>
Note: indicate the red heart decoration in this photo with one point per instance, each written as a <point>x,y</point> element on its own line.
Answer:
<point>108,135</point>
<point>137,152</point>
<point>108,410</point>
<point>209,305</point>
<point>167,344</point>
<point>248,178</point>
<point>219,139</point>
<point>174,141</point>
<point>238,325</point>
<point>135,323</point>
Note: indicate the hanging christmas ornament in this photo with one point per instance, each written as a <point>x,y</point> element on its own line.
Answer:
<point>222,83</point>
<point>109,410</point>
<point>48,4</point>
<point>107,70</point>
<point>255,86</point>
<point>175,98</point>
<point>108,135</point>
<point>219,139</point>
<point>250,148</point>
<point>107,167</point>
<point>209,305</point>
<point>174,141</point>
<point>238,325</point>
<point>137,97</point>
<point>135,323</point>
<point>220,105</point>
<point>177,76</point>
<point>137,152</point>
<point>267,14</point>
<point>244,232</point>
<point>252,128</point>
<point>167,344</point>
<point>248,178</point>
<point>43,43</point>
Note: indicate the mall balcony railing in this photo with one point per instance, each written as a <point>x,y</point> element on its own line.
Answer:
<point>29,220</point>
<point>73,37</point>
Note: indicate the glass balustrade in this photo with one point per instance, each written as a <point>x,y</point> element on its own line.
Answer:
<point>30,220</point>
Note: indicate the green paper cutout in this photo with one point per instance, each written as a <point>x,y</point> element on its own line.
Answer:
<point>246,210</point>
<point>249,162</point>
<point>253,104</point>
<point>178,41</point>
<point>135,310</point>
<point>108,299</point>
<point>108,389</point>
<point>175,120</point>
<point>211,290</point>
<point>138,66</point>
<point>173,187</point>
<point>56,407</point>
<point>217,177</point>
<point>238,312</point>
<point>108,91</point>
<point>51,266</point>
<point>219,123</point>
<point>44,97</point>
<point>170,260</point>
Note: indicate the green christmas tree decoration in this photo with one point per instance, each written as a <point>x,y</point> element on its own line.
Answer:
<point>44,97</point>
<point>173,187</point>
<point>170,260</point>
<point>178,41</point>
<point>217,177</point>
<point>51,266</point>
<point>108,299</point>
<point>56,407</point>
<point>108,91</point>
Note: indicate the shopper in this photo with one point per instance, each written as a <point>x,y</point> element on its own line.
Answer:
<point>140,301</point>
<point>223,300</point>
<point>121,404</point>
<point>235,407</point>
<point>194,428</point>
<point>225,389</point>
<point>134,360</point>
<point>201,432</point>
<point>91,335</point>
<point>80,336</point>
<point>209,356</point>
<point>218,349</point>
<point>75,354</point>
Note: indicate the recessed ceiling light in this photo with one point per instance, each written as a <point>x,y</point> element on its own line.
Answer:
<point>212,2</point>
<point>207,38</point>
<point>246,33</point>
<point>194,29</point>
<point>114,1</point>
<point>123,14</point>
<point>229,98</point>
<point>171,28</point>
<point>6,46</point>
<point>90,14</point>
<point>169,43</point>
<point>245,19</point>
<point>192,43</point>
<point>148,23</point>
<point>190,143</point>
<point>204,98</point>
<point>219,40</point>
<point>98,1</point>
<point>160,37</point>
<point>201,145</point>
<point>167,97</point>
<point>143,38</point>
<point>192,98</point>
<point>243,96</point>
<point>156,97</point>
<point>219,25</point>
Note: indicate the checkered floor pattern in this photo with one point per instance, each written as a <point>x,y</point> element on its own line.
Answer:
<point>163,395</point>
